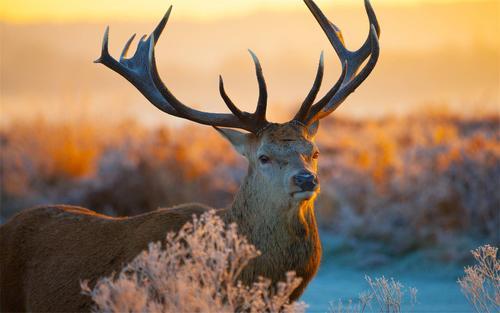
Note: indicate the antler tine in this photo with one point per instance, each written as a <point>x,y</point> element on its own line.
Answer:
<point>351,61</point>
<point>355,82</point>
<point>141,71</point>
<point>260,112</point>
<point>127,46</point>
<point>311,96</point>
<point>365,49</point>
<point>159,28</point>
<point>139,79</point>
<point>320,105</point>
<point>257,118</point>
<point>104,47</point>
<point>333,33</point>
<point>229,103</point>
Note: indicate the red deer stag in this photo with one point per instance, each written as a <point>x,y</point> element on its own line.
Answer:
<point>46,251</point>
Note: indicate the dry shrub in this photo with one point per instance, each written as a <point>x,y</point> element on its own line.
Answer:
<point>162,170</point>
<point>41,161</point>
<point>412,183</point>
<point>388,293</point>
<point>195,270</point>
<point>398,184</point>
<point>481,283</point>
<point>119,169</point>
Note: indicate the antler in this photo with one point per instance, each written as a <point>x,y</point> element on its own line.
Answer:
<point>351,61</point>
<point>141,71</point>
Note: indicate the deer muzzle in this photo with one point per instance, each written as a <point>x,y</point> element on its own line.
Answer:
<point>306,181</point>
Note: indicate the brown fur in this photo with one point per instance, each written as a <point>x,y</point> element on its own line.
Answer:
<point>47,251</point>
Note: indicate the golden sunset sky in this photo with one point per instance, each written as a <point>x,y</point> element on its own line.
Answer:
<point>96,10</point>
<point>434,53</point>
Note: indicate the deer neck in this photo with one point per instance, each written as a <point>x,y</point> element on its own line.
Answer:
<point>263,218</point>
<point>285,233</point>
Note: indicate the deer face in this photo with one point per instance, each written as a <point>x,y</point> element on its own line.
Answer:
<point>283,160</point>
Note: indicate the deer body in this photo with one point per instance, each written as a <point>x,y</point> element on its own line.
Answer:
<point>47,251</point>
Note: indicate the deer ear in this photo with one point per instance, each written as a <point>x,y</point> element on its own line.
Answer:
<point>313,129</point>
<point>238,139</point>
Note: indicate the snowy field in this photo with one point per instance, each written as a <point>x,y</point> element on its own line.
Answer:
<point>338,279</point>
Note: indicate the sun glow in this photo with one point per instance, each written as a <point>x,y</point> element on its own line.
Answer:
<point>97,10</point>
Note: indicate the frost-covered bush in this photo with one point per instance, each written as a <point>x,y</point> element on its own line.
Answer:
<point>387,293</point>
<point>117,169</point>
<point>414,183</point>
<point>394,185</point>
<point>194,270</point>
<point>481,283</point>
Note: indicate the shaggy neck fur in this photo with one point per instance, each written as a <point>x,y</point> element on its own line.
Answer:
<point>284,231</point>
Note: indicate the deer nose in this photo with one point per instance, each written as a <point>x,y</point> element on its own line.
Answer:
<point>307,181</point>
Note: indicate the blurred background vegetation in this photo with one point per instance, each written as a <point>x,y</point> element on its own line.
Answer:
<point>410,163</point>
<point>404,184</point>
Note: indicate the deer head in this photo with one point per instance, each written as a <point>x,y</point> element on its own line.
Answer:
<point>282,157</point>
<point>282,161</point>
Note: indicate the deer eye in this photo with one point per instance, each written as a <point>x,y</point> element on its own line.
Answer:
<point>264,159</point>
<point>316,155</point>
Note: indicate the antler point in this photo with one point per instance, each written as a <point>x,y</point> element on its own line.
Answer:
<point>167,14</point>
<point>106,33</point>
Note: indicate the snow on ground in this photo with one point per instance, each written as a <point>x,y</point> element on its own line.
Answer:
<point>339,279</point>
